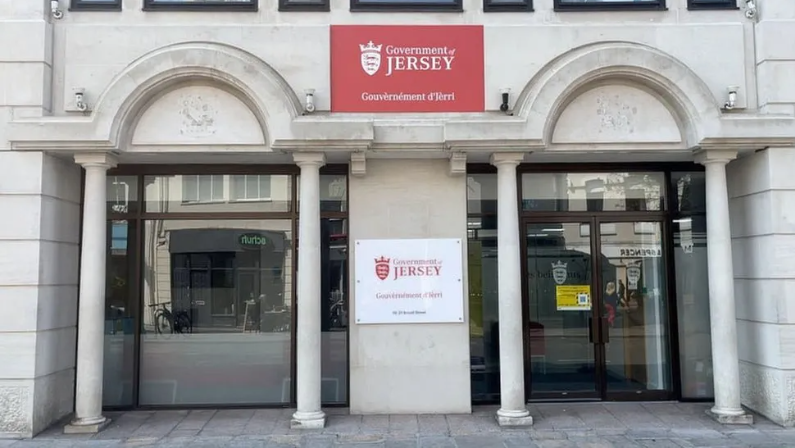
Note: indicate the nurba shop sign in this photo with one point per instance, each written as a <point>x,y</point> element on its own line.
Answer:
<point>407,68</point>
<point>253,241</point>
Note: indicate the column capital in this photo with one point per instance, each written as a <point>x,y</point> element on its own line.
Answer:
<point>96,159</point>
<point>309,158</point>
<point>507,158</point>
<point>720,156</point>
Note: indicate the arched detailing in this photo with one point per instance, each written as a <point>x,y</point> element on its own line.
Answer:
<point>546,95</point>
<point>270,98</point>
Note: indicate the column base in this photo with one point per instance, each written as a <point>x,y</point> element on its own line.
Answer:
<point>731,418</point>
<point>514,418</point>
<point>308,420</point>
<point>86,426</point>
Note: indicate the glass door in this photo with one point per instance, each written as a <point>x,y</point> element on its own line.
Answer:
<point>562,360</point>
<point>595,326</point>
<point>634,320</point>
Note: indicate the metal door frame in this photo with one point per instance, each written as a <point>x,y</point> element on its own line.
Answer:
<point>594,220</point>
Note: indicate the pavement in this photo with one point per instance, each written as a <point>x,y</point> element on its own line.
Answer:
<point>581,425</point>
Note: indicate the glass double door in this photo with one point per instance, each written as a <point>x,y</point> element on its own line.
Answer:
<point>596,309</point>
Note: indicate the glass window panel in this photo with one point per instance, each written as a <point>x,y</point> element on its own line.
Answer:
<point>635,308</point>
<point>483,309</point>
<point>333,192</point>
<point>562,356</point>
<point>334,321</point>
<point>172,194</point>
<point>691,191</point>
<point>238,187</point>
<point>191,355</point>
<point>205,188</point>
<point>692,302</point>
<point>217,186</point>
<point>122,194</point>
<point>120,298</point>
<point>592,191</point>
<point>264,183</point>
<point>481,193</point>
<point>252,187</point>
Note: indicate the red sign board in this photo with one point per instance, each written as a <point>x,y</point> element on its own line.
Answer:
<point>406,68</point>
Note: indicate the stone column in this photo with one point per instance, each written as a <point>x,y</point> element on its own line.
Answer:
<point>88,416</point>
<point>513,411</point>
<point>308,377</point>
<point>723,323</point>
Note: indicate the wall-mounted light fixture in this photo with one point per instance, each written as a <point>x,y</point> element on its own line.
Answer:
<point>506,95</point>
<point>80,102</point>
<point>309,105</point>
<point>57,14</point>
<point>750,9</point>
<point>732,97</point>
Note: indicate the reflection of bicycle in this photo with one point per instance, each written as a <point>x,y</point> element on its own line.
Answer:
<point>168,322</point>
<point>339,318</point>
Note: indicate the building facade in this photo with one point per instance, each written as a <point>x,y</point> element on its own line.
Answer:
<point>595,198</point>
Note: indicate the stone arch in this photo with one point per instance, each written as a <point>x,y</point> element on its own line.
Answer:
<point>545,97</point>
<point>254,82</point>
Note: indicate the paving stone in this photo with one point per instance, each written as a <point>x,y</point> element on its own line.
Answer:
<point>614,425</point>
<point>722,443</point>
<point>195,420</point>
<point>650,433</point>
<point>543,434</point>
<point>519,442</point>
<point>700,433</point>
<point>401,443</point>
<point>343,424</point>
<point>555,444</point>
<point>658,443</point>
<point>480,441</point>
<point>432,424</point>
<point>620,441</point>
<point>318,441</point>
<point>435,442</point>
<point>403,424</point>
<point>376,424</point>
<point>754,438</point>
<point>595,444</point>
<point>360,445</point>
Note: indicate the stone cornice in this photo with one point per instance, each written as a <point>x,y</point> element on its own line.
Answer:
<point>487,133</point>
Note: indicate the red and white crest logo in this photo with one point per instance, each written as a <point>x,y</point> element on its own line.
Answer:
<point>382,267</point>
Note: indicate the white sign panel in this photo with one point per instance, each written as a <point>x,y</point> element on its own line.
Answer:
<point>409,281</point>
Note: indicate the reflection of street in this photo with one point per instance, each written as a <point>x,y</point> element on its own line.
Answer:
<point>243,368</point>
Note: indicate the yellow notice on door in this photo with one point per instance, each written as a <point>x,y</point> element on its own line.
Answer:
<point>573,297</point>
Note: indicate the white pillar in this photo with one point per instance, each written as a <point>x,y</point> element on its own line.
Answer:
<point>723,323</point>
<point>308,350</point>
<point>88,416</point>
<point>513,411</point>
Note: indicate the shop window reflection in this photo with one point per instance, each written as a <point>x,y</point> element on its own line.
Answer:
<point>217,193</point>
<point>593,192</point>
<point>483,308</point>
<point>334,309</point>
<point>217,312</point>
<point>692,285</point>
<point>120,307</point>
<point>122,195</point>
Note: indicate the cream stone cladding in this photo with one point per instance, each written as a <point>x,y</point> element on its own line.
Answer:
<point>622,86</point>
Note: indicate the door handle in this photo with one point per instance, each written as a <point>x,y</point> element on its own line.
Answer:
<point>593,332</point>
<point>605,339</point>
